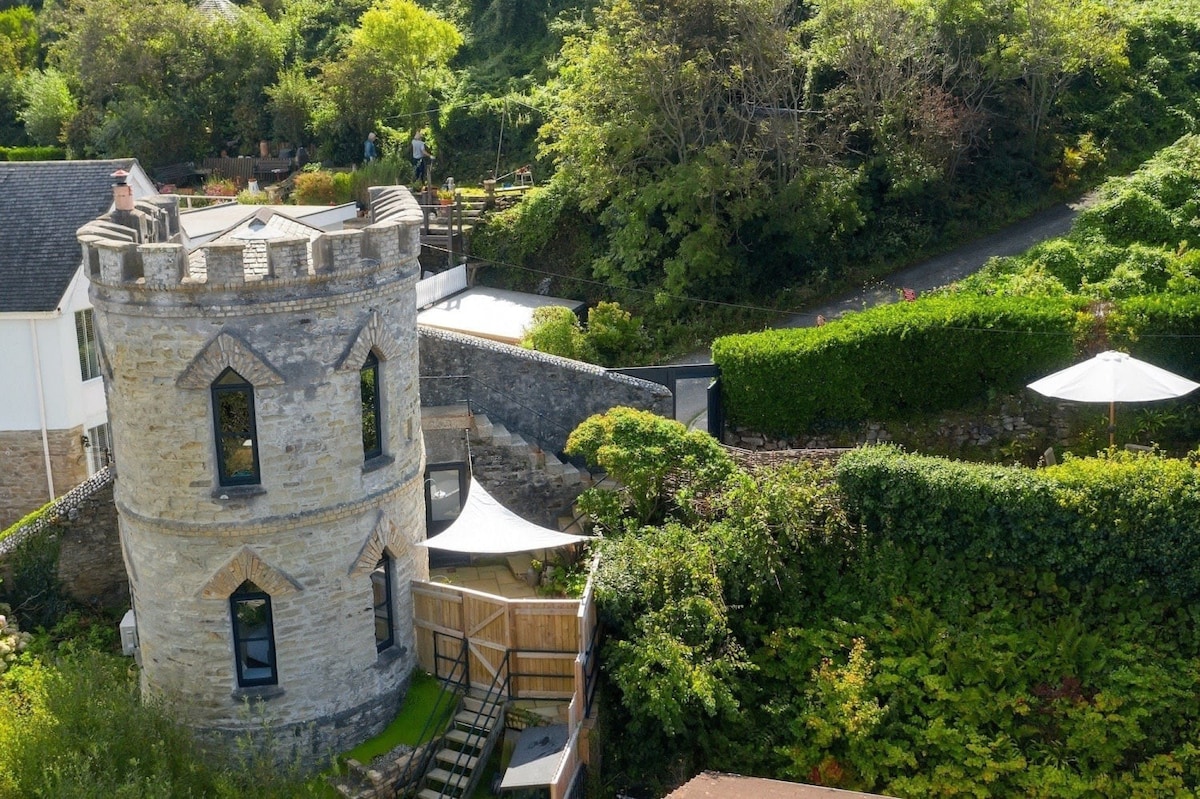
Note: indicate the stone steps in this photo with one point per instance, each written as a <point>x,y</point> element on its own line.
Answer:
<point>487,432</point>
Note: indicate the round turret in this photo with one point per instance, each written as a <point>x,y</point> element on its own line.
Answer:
<point>263,397</point>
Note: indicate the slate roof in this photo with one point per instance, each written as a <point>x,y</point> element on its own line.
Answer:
<point>42,204</point>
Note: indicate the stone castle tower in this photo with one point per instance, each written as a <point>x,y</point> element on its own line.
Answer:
<point>263,397</point>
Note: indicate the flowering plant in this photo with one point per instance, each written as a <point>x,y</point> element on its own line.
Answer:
<point>12,640</point>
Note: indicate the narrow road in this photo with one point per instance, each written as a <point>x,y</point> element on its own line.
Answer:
<point>690,402</point>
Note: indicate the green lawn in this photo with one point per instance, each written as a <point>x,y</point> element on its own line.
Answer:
<point>407,726</point>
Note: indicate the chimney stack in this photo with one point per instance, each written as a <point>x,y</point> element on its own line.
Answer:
<point>122,191</point>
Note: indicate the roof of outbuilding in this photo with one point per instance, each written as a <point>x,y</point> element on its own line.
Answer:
<point>42,204</point>
<point>715,785</point>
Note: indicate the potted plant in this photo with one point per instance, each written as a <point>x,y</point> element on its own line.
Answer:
<point>445,197</point>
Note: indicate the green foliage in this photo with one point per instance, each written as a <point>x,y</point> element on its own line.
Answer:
<point>49,106</point>
<point>32,154</point>
<point>1122,519</point>
<point>394,59</point>
<point>33,590</point>
<point>661,465</point>
<point>612,337</point>
<point>293,101</point>
<point>1132,241</point>
<point>990,632</point>
<point>891,361</point>
<point>556,330</point>
<point>315,188</point>
<point>72,726</point>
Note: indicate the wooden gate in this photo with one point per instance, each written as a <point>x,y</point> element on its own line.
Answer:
<point>542,636</point>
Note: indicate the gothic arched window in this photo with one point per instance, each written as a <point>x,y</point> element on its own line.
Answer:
<point>234,429</point>
<point>381,589</point>
<point>372,412</point>
<point>253,636</point>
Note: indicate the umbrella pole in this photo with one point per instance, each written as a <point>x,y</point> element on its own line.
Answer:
<point>1112,423</point>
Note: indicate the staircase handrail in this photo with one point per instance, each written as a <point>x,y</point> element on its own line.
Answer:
<point>496,695</point>
<point>452,686</point>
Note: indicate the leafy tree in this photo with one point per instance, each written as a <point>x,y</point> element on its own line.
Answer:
<point>1053,42</point>
<point>18,52</point>
<point>394,59</point>
<point>294,99</point>
<point>677,122</point>
<point>49,106</point>
<point>661,465</point>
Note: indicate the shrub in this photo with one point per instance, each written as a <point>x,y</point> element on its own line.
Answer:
<point>555,330</point>
<point>613,336</point>
<point>32,154</point>
<point>1122,519</point>
<point>892,361</point>
<point>220,187</point>
<point>74,728</point>
<point>315,188</point>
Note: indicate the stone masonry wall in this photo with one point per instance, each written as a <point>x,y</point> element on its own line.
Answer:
<point>23,478</point>
<point>542,397</point>
<point>90,565</point>
<point>312,527</point>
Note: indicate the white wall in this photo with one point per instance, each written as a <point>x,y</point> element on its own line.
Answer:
<point>68,401</point>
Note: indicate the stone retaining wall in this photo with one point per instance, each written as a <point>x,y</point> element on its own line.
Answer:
<point>542,397</point>
<point>1021,427</point>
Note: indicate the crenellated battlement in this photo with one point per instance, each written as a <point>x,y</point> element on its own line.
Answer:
<point>143,248</point>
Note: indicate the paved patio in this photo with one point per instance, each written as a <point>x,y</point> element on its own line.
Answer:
<point>491,578</point>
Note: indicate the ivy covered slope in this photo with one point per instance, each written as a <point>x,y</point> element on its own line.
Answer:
<point>902,625</point>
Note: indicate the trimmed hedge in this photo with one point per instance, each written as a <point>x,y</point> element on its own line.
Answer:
<point>893,360</point>
<point>1163,329</point>
<point>32,154</point>
<point>1127,519</point>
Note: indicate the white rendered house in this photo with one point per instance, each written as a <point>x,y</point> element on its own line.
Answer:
<point>53,422</point>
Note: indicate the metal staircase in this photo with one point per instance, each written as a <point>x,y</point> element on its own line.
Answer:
<point>452,766</point>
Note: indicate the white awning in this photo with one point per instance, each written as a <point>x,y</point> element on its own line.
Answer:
<point>485,527</point>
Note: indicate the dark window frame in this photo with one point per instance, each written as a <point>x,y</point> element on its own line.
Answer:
<point>383,610</point>
<point>435,526</point>
<point>245,593</point>
<point>372,409</point>
<point>220,389</point>
<point>440,558</point>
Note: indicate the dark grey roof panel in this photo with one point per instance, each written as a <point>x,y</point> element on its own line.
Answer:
<point>42,204</point>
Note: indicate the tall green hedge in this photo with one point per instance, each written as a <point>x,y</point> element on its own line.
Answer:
<point>1161,328</point>
<point>32,154</point>
<point>893,360</point>
<point>1126,519</point>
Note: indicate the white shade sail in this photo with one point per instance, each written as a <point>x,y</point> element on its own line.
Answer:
<point>1113,377</point>
<point>485,527</point>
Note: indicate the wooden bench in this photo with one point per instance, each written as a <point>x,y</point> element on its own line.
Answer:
<point>277,168</point>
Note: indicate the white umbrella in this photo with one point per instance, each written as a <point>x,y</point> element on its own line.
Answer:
<point>1113,377</point>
